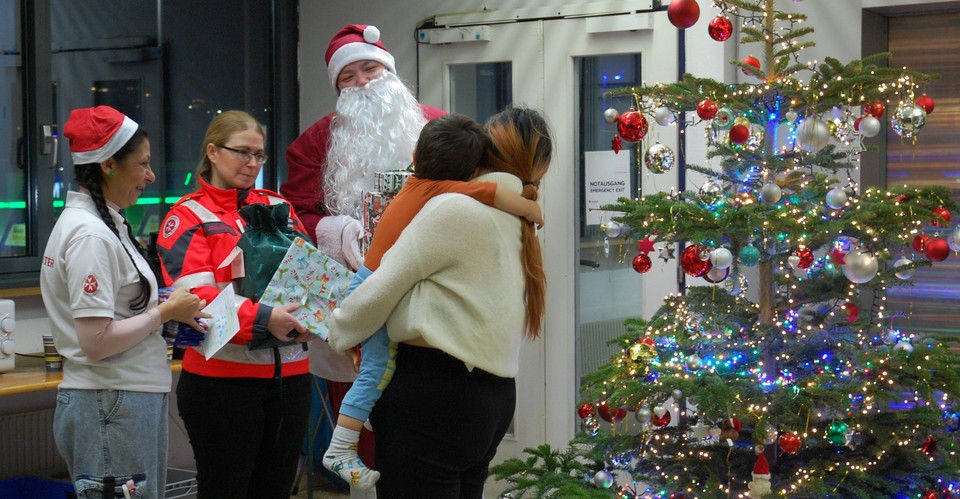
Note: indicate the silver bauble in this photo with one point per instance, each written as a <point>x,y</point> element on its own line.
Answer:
<point>813,135</point>
<point>869,126</point>
<point>908,119</point>
<point>664,116</point>
<point>721,258</point>
<point>693,362</point>
<point>616,229</point>
<point>643,415</point>
<point>794,261</point>
<point>836,198</point>
<point>659,158</point>
<point>677,394</point>
<point>890,336</point>
<point>603,479</point>
<point>590,426</point>
<point>736,284</point>
<point>861,267</point>
<point>904,345</point>
<point>954,240</point>
<point>711,193</point>
<point>791,116</point>
<point>611,115</point>
<point>770,193</point>
<point>903,274</point>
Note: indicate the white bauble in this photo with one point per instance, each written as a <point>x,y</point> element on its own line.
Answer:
<point>903,345</point>
<point>836,198</point>
<point>903,274</point>
<point>611,115</point>
<point>721,258</point>
<point>664,116</point>
<point>869,126</point>
<point>794,261</point>
<point>770,193</point>
<point>791,116</point>
<point>813,135</point>
<point>861,267</point>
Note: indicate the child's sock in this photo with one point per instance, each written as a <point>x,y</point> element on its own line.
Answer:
<point>341,458</point>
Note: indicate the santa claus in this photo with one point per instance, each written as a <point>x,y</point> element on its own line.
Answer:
<point>331,164</point>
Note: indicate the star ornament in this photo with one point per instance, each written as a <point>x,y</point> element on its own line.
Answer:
<point>645,245</point>
<point>930,446</point>
<point>666,253</point>
<point>699,431</point>
<point>836,256</point>
<point>617,145</point>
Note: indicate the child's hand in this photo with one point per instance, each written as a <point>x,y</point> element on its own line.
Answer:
<point>534,214</point>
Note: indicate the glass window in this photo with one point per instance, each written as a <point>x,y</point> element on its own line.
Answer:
<point>13,161</point>
<point>480,90</point>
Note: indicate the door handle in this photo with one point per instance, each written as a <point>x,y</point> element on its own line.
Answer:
<point>50,142</point>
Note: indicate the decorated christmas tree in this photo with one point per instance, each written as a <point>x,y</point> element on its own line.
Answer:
<point>806,390</point>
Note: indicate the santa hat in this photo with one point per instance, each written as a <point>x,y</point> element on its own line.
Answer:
<point>356,42</point>
<point>97,133</point>
<point>761,470</point>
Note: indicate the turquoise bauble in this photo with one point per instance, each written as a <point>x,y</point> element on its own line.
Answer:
<point>749,255</point>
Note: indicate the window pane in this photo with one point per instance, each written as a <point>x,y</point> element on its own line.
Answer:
<point>13,184</point>
<point>480,90</point>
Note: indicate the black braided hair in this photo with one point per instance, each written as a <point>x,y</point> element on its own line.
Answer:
<point>90,177</point>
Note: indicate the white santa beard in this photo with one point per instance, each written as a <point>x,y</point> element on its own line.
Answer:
<point>375,129</point>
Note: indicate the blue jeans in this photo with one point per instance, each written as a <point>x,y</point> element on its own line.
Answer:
<point>110,436</point>
<point>377,364</point>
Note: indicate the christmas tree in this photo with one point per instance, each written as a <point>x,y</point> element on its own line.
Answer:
<point>806,391</point>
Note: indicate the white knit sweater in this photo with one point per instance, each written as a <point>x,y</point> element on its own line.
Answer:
<point>455,278</point>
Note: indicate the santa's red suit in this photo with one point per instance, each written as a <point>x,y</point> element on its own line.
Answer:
<point>306,158</point>
<point>198,236</point>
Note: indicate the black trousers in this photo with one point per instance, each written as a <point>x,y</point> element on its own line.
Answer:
<point>246,433</point>
<point>438,425</point>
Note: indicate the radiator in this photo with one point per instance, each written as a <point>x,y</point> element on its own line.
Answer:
<point>26,444</point>
<point>593,350</point>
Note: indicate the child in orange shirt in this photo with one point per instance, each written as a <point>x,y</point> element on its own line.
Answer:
<point>449,151</point>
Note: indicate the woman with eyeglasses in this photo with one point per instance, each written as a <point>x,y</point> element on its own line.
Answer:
<point>245,410</point>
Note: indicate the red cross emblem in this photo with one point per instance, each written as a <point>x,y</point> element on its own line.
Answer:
<point>90,284</point>
<point>170,226</point>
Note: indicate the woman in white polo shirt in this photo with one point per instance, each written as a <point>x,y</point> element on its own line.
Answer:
<point>110,423</point>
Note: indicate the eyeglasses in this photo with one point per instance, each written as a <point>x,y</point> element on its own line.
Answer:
<point>247,155</point>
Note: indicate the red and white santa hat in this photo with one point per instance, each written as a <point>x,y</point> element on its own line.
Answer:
<point>97,133</point>
<point>761,470</point>
<point>356,42</point>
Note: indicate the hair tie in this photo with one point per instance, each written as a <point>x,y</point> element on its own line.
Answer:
<point>528,183</point>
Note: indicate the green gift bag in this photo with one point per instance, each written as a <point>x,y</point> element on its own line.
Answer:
<point>267,235</point>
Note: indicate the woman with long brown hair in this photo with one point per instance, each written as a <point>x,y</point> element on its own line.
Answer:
<point>460,291</point>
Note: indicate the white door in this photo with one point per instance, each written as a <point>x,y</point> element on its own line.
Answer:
<point>560,67</point>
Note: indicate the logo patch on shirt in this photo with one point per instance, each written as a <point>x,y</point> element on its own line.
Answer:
<point>90,284</point>
<point>170,226</point>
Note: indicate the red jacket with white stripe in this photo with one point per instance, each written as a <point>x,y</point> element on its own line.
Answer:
<point>198,237</point>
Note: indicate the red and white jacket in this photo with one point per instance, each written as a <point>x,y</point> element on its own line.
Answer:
<point>197,242</point>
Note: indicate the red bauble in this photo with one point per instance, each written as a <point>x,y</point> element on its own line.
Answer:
<point>646,340</point>
<point>936,249</point>
<point>739,134</point>
<point>611,415</point>
<point>632,126</point>
<point>929,494</point>
<point>789,443</point>
<point>856,124</point>
<point>683,13</point>
<point>919,241</point>
<point>943,217</point>
<point>925,102</point>
<point>706,109</point>
<point>806,258</point>
<point>720,28</point>
<point>875,109</point>
<point>661,421</point>
<point>586,410</point>
<point>709,276</point>
<point>853,311</point>
<point>691,262</point>
<point>753,61</point>
<point>642,263</point>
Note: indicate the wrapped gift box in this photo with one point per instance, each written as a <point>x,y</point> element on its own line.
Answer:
<point>374,204</point>
<point>312,279</point>
<point>391,181</point>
